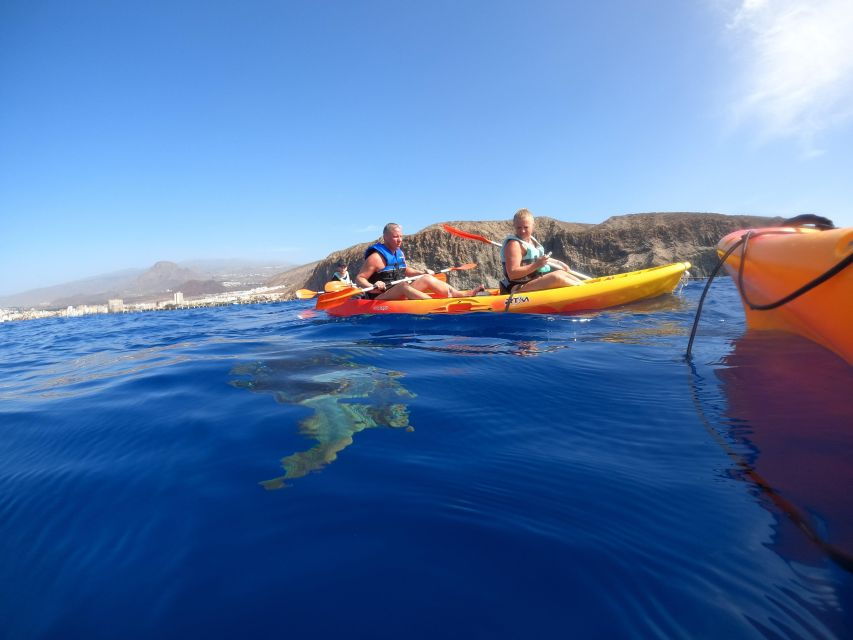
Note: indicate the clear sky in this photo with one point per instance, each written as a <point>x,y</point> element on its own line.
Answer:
<point>136,131</point>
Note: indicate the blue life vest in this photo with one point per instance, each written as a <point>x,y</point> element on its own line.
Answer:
<point>532,251</point>
<point>395,264</point>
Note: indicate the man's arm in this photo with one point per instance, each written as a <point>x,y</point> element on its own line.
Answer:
<point>370,266</point>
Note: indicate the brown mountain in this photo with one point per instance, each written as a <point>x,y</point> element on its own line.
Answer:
<point>295,278</point>
<point>87,291</point>
<point>135,285</point>
<point>163,276</point>
<point>620,243</point>
<point>192,288</point>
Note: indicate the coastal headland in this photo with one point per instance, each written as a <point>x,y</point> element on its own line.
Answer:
<point>620,243</point>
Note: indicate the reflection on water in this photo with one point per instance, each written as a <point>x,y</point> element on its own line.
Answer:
<point>471,347</point>
<point>670,302</point>
<point>59,380</point>
<point>645,335</point>
<point>525,348</point>
<point>790,416</point>
<point>465,345</point>
<point>346,397</point>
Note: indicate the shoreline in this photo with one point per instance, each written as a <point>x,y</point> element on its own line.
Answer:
<point>250,296</point>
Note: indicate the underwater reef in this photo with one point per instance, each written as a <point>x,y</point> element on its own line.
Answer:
<point>345,398</point>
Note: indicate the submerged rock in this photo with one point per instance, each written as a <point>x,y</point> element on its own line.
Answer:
<point>346,397</point>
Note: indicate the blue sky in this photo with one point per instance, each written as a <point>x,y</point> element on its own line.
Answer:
<point>132,132</point>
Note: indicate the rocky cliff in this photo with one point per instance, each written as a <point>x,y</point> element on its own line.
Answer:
<point>620,243</point>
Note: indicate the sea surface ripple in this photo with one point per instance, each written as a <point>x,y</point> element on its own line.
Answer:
<point>261,470</point>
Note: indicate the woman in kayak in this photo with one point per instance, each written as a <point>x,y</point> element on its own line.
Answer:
<point>341,274</point>
<point>525,265</point>
<point>384,263</point>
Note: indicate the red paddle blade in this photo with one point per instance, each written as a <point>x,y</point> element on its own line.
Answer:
<point>465,267</point>
<point>331,299</point>
<point>464,234</point>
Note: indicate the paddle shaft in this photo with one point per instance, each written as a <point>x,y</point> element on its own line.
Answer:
<point>407,279</point>
<point>335,286</point>
<point>328,299</point>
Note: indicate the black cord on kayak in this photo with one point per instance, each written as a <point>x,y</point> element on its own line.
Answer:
<point>841,557</point>
<point>826,275</point>
<point>819,222</point>
<point>705,292</point>
<point>744,242</point>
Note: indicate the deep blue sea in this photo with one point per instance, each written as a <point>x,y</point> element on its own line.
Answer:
<point>268,471</point>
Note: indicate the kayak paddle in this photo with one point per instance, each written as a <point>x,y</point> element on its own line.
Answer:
<point>307,294</point>
<point>328,299</point>
<point>479,238</point>
<point>334,287</point>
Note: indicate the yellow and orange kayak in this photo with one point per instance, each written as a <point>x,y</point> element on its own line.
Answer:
<point>594,294</point>
<point>781,260</point>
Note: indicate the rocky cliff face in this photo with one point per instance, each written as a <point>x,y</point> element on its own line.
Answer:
<point>620,243</point>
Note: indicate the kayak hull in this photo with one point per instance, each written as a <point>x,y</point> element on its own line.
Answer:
<point>779,261</point>
<point>595,294</point>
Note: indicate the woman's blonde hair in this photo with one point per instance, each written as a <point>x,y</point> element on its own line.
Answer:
<point>522,213</point>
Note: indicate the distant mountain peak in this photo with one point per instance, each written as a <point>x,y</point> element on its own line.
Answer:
<point>163,275</point>
<point>196,277</point>
<point>164,264</point>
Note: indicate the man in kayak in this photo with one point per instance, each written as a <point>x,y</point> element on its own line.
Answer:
<point>384,262</point>
<point>525,265</point>
<point>341,274</point>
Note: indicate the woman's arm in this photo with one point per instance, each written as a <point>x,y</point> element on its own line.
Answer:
<point>514,269</point>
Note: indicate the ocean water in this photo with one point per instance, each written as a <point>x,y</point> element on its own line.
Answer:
<point>268,471</point>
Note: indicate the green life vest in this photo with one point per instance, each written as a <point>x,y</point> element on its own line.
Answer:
<point>533,250</point>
